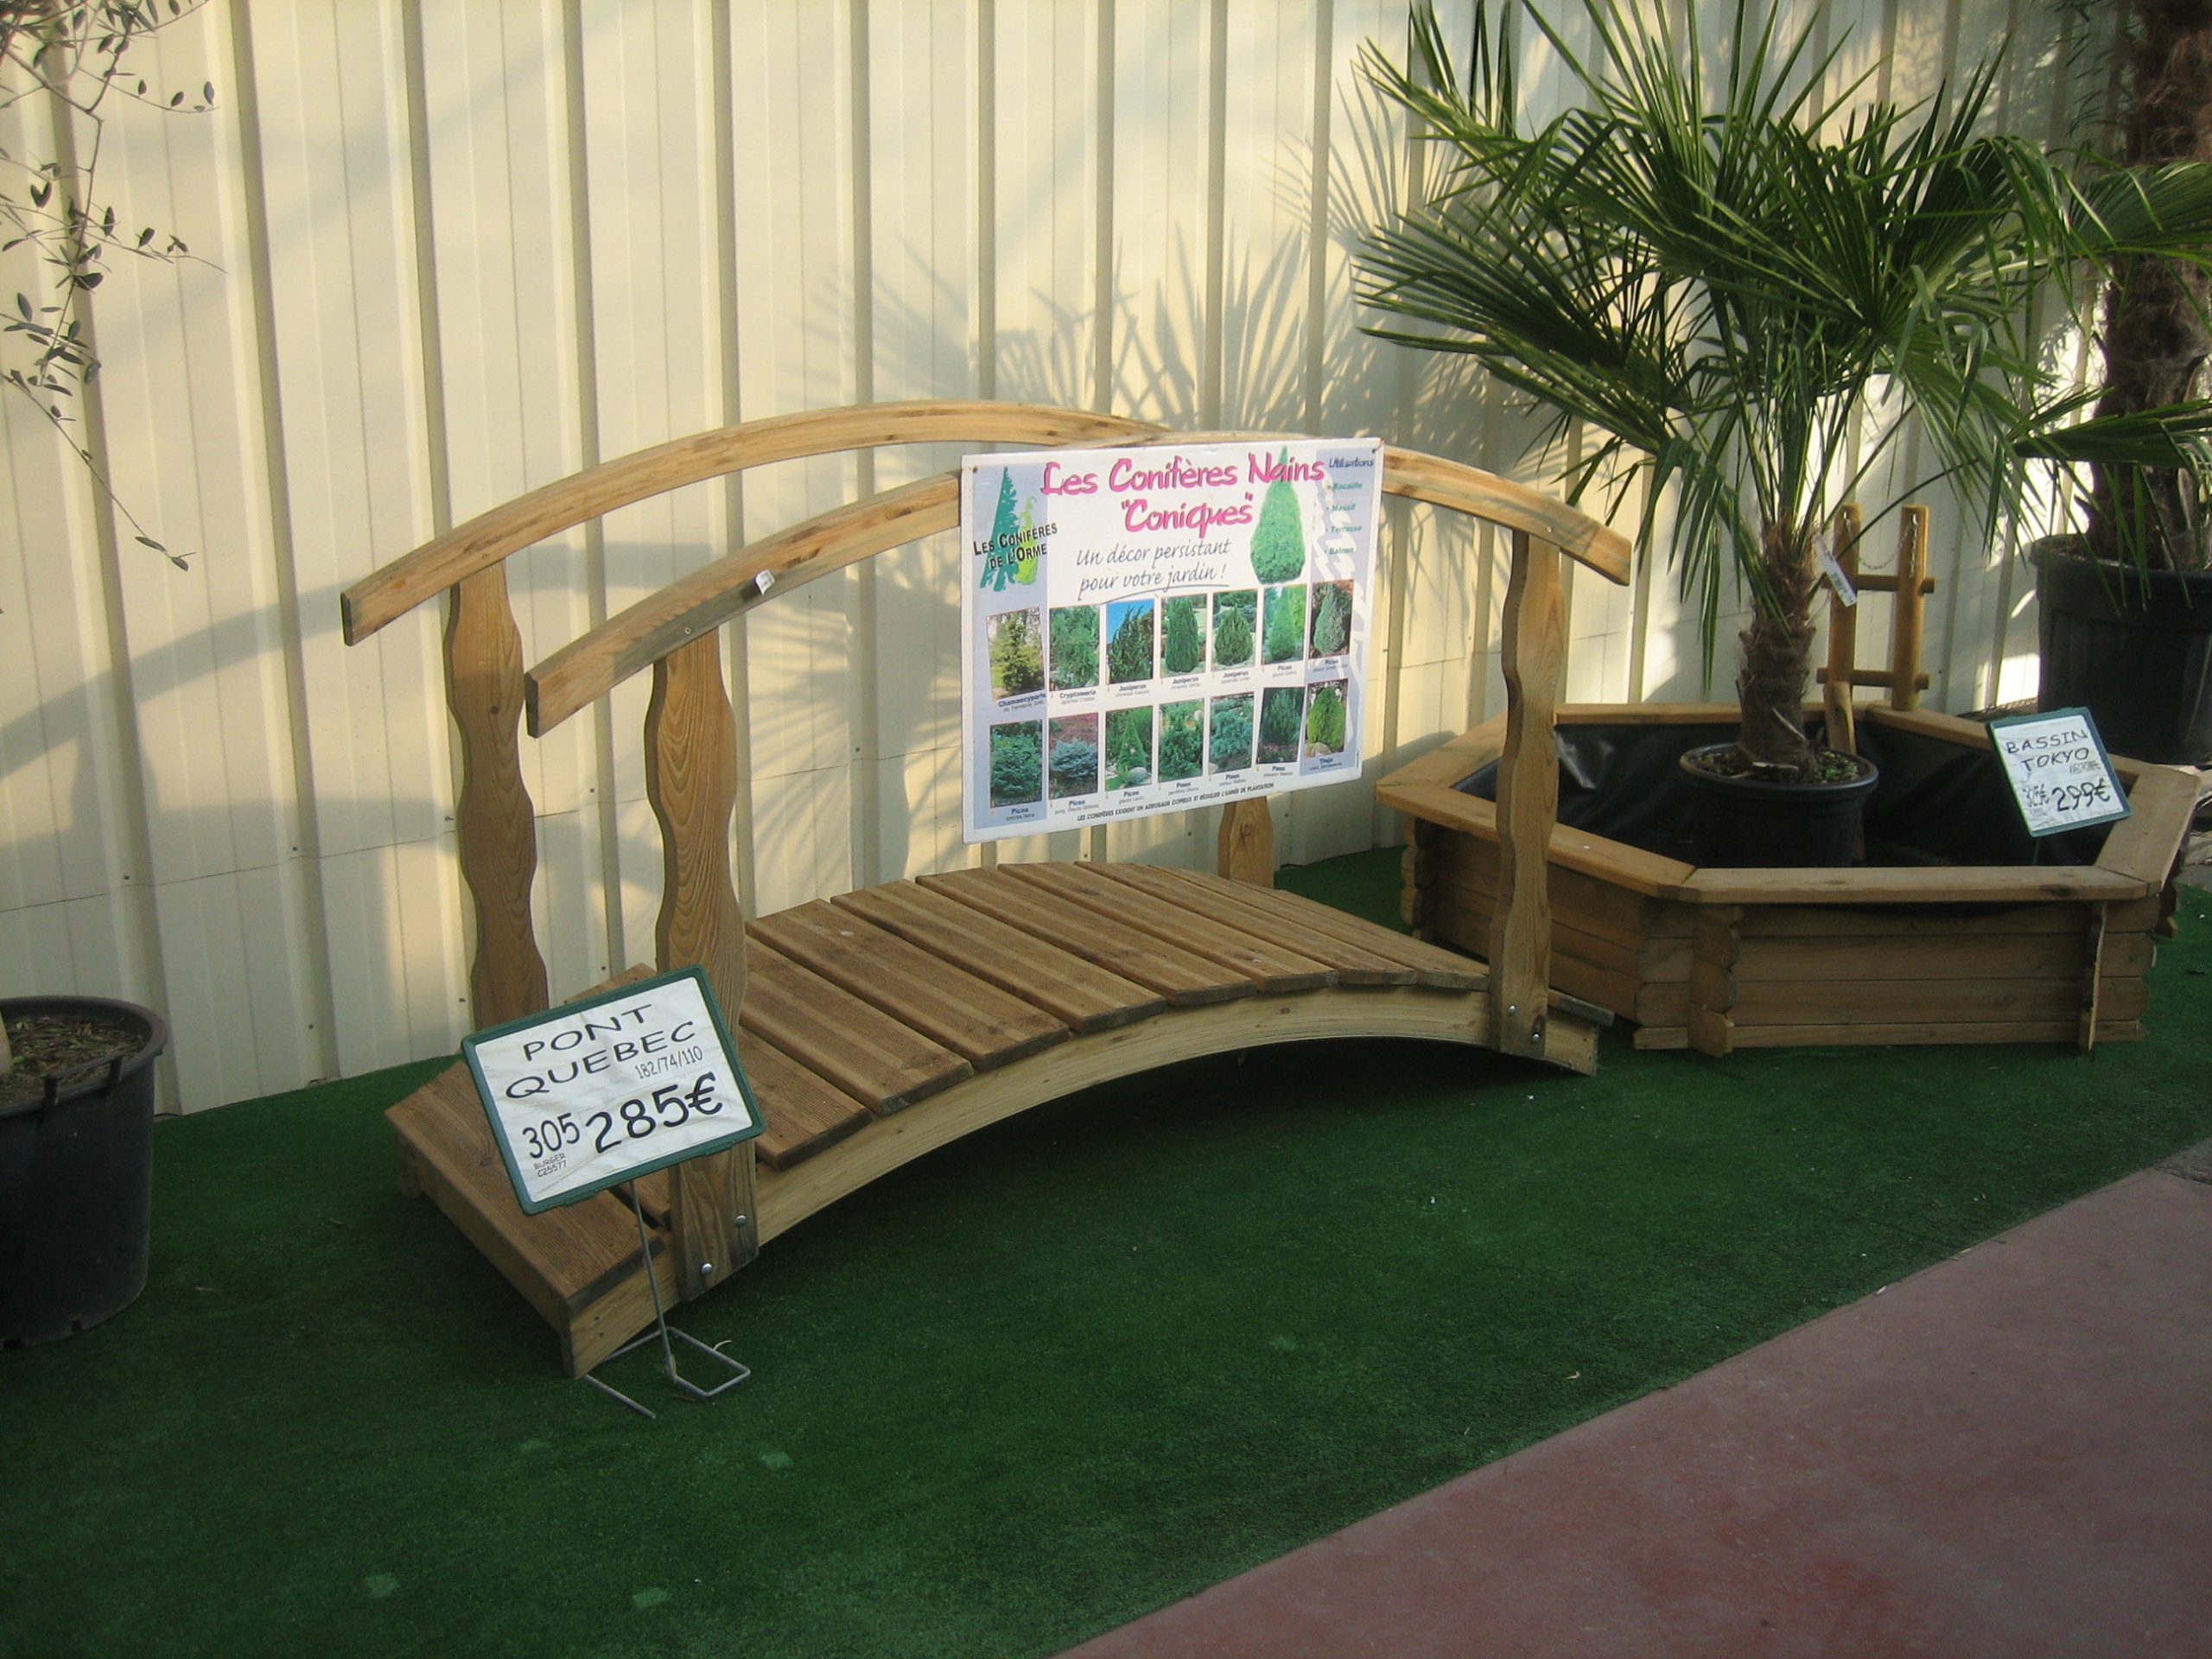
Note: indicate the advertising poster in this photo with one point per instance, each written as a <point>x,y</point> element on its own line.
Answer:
<point>1151,629</point>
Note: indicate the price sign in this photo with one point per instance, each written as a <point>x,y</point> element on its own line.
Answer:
<point>600,1091</point>
<point>1838,579</point>
<point>2060,775</point>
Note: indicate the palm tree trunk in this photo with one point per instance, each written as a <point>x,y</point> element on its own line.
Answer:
<point>2156,342</point>
<point>1778,656</point>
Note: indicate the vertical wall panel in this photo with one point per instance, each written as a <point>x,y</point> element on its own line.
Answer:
<point>179,410</point>
<point>922,231</point>
<point>648,141</point>
<point>502,204</point>
<point>1047,314</point>
<point>349,372</point>
<point>1170,73</point>
<point>793,80</point>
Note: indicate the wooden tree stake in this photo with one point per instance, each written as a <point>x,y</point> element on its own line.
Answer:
<point>1911,609</point>
<point>1843,637</point>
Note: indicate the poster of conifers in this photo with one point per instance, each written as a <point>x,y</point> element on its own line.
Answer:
<point>1152,629</point>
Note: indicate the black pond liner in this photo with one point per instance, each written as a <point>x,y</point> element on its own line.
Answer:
<point>1935,804</point>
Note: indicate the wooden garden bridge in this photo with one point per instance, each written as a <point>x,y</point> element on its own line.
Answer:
<point>880,1025</point>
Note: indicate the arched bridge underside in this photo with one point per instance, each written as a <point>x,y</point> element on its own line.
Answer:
<point>883,1024</point>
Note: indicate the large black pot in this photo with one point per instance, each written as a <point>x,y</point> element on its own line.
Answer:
<point>1755,823</point>
<point>75,1186</point>
<point>2132,647</point>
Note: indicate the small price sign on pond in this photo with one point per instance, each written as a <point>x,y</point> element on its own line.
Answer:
<point>598,1092</point>
<point>2060,775</point>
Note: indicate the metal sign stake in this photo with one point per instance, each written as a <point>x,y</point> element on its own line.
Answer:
<point>667,1335</point>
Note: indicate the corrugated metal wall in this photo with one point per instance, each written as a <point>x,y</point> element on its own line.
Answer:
<point>454,249</point>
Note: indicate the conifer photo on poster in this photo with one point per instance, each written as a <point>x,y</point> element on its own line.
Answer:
<point>1284,636</point>
<point>1128,636</point>
<point>1075,755</point>
<point>1283,712</point>
<point>1325,719</point>
<point>1129,747</point>
<point>1330,633</point>
<point>1182,741</point>
<point>1183,634</point>
<point>1074,655</point>
<point>1228,737</point>
<point>1236,626</point>
<point>1018,763</point>
<point>1017,647</point>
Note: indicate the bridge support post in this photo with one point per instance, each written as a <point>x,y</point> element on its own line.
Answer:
<point>498,835</point>
<point>691,782</point>
<point>1245,849</point>
<point>1528,798</point>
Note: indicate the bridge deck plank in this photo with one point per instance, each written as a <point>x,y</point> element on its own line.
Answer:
<point>1077,992</point>
<point>1184,977</point>
<point>1276,969</point>
<point>800,1113</point>
<point>884,1064</point>
<point>975,1019</point>
<point>1352,963</point>
<point>1430,965</point>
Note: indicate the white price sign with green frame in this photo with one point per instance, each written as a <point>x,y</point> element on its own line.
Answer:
<point>2060,775</point>
<point>595,1093</point>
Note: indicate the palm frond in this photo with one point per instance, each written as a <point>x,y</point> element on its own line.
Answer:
<point>1724,275</point>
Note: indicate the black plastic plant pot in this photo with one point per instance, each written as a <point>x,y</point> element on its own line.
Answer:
<point>75,1182</point>
<point>2133,647</point>
<point>1756,824</point>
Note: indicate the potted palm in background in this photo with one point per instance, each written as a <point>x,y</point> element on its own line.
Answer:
<point>2126,613</point>
<point>1754,286</point>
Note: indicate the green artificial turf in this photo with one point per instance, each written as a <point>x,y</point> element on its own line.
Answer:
<point>1070,1369</point>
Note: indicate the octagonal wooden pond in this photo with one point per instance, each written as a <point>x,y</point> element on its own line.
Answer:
<point>1956,928</point>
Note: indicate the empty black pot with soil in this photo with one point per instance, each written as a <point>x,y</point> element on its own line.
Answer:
<point>76,1152</point>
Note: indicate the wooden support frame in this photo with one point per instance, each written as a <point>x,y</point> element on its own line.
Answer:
<point>1911,584</point>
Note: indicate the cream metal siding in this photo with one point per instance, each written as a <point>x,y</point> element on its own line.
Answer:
<point>454,249</point>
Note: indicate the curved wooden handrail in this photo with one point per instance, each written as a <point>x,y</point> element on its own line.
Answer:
<point>489,691</point>
<point>431,569</point>
<point>594,663</point>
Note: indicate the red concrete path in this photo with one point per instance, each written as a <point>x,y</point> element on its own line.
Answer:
<point>2008,1454</point>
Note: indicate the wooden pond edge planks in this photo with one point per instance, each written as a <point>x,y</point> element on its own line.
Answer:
<point>1855,956</point>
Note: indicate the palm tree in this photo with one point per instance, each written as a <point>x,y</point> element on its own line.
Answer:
<point>1734,277</point>
<point>2158,347</point>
